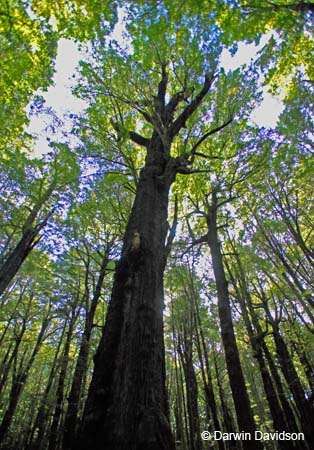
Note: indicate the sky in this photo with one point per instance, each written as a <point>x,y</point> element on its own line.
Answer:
<point>64,103</point>
<point>267,113</point>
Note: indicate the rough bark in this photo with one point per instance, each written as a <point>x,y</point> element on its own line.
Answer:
<point>127,394</point>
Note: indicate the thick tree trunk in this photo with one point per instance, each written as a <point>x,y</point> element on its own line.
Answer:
<point>126,407</point>
<point>237,382</point>
<point>16,258</point>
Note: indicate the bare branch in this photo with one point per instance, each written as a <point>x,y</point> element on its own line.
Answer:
<point>209,133</point>
<point>189,110</point>
<point>183,170</point>
<point>173,229</point>
<point>201,240</point>
<point>138,139</point>
<point>135,137</point>
<point>298,7</point>
<point>162,86</point>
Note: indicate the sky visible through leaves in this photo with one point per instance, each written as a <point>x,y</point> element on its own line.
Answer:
<point>65,105</point>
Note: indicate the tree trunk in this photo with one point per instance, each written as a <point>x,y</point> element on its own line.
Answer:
<point>6,365</point>
<point>304,407</point>
<point>237,383</point>
<point>54,433</point>
<point>126,406</point>
<point>186,355</point>
<point>27,242</point>
<point>256,337</point>
<point>228,421</point>
<point>72,414</point>
<point>41,423</point>
<point>286,406</point>
<point>211,405</point>
<point>19,383</point>
<point>16,258</point>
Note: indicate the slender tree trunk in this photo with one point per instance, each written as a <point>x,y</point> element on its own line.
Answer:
<point>256,339</point>
<point>239,393</point>
<point>211,404</point>
<point>307,367</point>
<point>72,414</point>
<point>185,352</point>
<point>28,240</point>
<point>228,421</point>
<point>41,423</point>
<point>6,365</point>
<point>286,406</point>
<point>182,432</point>
<point>54,434</point>
<point>304,407</point>
<point>19,383</point>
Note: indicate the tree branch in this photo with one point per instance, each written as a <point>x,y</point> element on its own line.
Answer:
<point>173,103</point>
<point>189,110</point>
<point>200,240</point>
<point>138,139</point>
<point>173,229</point>
<point>298,7</point>
<point>162,86</point>
<point>209,133</point>
<point>135,137</point>
<point>183,170</point>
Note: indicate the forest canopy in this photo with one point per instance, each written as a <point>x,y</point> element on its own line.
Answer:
<point>156,259</point>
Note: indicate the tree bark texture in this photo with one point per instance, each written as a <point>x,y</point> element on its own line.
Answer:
<point>127,407</point>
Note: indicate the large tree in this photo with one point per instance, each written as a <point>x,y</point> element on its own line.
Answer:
<point>168,81</point>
